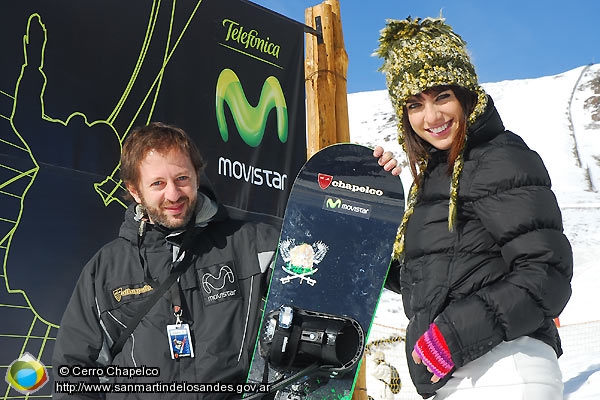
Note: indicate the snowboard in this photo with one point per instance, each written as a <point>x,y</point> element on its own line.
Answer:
<point>334,252</point>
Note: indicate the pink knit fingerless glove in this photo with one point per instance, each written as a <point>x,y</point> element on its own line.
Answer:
<point>434,352</point>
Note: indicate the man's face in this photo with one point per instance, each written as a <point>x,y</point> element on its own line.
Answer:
<point>167,188</point>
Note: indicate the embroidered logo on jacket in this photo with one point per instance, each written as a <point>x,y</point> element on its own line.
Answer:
<point>218,283</point>
<point>120,292</point>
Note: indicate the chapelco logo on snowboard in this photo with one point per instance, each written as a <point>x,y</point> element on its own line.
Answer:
<point>324,180</point>
<point>327,180</point>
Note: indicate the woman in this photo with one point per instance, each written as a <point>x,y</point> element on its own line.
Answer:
<point>482,263</point>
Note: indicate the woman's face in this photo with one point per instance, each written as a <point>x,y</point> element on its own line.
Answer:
<point>435,117</point>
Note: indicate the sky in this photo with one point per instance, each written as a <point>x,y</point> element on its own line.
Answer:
<point>507,40</point>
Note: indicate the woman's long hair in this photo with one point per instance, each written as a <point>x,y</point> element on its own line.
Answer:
<point>417,151</point>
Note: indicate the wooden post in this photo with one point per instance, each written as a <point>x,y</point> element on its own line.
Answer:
<point>360,388</point>
<point>325,70</point>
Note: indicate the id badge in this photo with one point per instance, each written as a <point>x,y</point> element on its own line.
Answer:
<point>180,341</point>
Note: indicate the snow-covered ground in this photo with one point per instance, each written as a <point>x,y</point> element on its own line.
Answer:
<point>559,117</point>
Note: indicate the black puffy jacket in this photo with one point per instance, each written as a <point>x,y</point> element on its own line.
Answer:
<point>504,272</point>
<point>222,294</point>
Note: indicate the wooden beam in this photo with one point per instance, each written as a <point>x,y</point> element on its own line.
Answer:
<point>326,66</point>
<point>325,69</point>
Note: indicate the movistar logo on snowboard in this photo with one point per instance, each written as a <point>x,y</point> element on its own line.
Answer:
<point>347,207</point>
<point>327,180</point>
<point>250,120</point>
<point>333,203</point>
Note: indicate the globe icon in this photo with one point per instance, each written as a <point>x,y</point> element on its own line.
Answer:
<point>27,377</point>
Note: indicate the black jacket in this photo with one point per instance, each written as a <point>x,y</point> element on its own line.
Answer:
<point>222,293</point>
<point>504,272</point>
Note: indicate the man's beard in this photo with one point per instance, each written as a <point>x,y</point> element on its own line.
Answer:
<point>158,216</point>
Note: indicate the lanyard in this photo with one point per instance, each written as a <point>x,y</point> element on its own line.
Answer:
<point>175,297</point>
<point>174,293</point>
<point>179,334</point>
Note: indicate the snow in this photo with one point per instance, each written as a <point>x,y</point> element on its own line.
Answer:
<point>559,117</point>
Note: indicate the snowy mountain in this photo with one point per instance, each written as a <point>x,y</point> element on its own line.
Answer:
<point>559,117</point>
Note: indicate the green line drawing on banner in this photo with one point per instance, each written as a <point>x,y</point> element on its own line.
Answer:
<point>15,181</point>
<point>250,121</point>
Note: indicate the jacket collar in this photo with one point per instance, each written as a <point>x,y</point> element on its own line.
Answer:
<point>486,127</point>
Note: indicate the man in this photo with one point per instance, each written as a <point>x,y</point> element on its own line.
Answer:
<point>202,331</point>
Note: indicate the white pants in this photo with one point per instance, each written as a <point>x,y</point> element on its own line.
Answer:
<point>522,369</point>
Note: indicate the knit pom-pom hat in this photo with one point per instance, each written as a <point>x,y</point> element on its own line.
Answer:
<point>420,54</point>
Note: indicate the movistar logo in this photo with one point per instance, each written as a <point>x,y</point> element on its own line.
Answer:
<point>219,284</point>
<point>333,203</point>
<point>211,282</point>
<point>250,121</point>
<point>348,207</point>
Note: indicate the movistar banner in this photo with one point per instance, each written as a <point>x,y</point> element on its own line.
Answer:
<point>75,78</point>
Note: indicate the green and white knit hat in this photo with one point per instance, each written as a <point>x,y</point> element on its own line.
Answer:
<point>420,54</point>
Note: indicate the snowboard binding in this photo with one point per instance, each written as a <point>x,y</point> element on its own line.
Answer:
<point>306,349</point>
<point>294,339</point>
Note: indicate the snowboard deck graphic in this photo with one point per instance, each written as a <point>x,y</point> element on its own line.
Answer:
<point>334,252</point>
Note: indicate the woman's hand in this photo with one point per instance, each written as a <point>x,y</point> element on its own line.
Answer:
<point>387,161</point>
<point>417,360</point>
<point>432,350</point>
